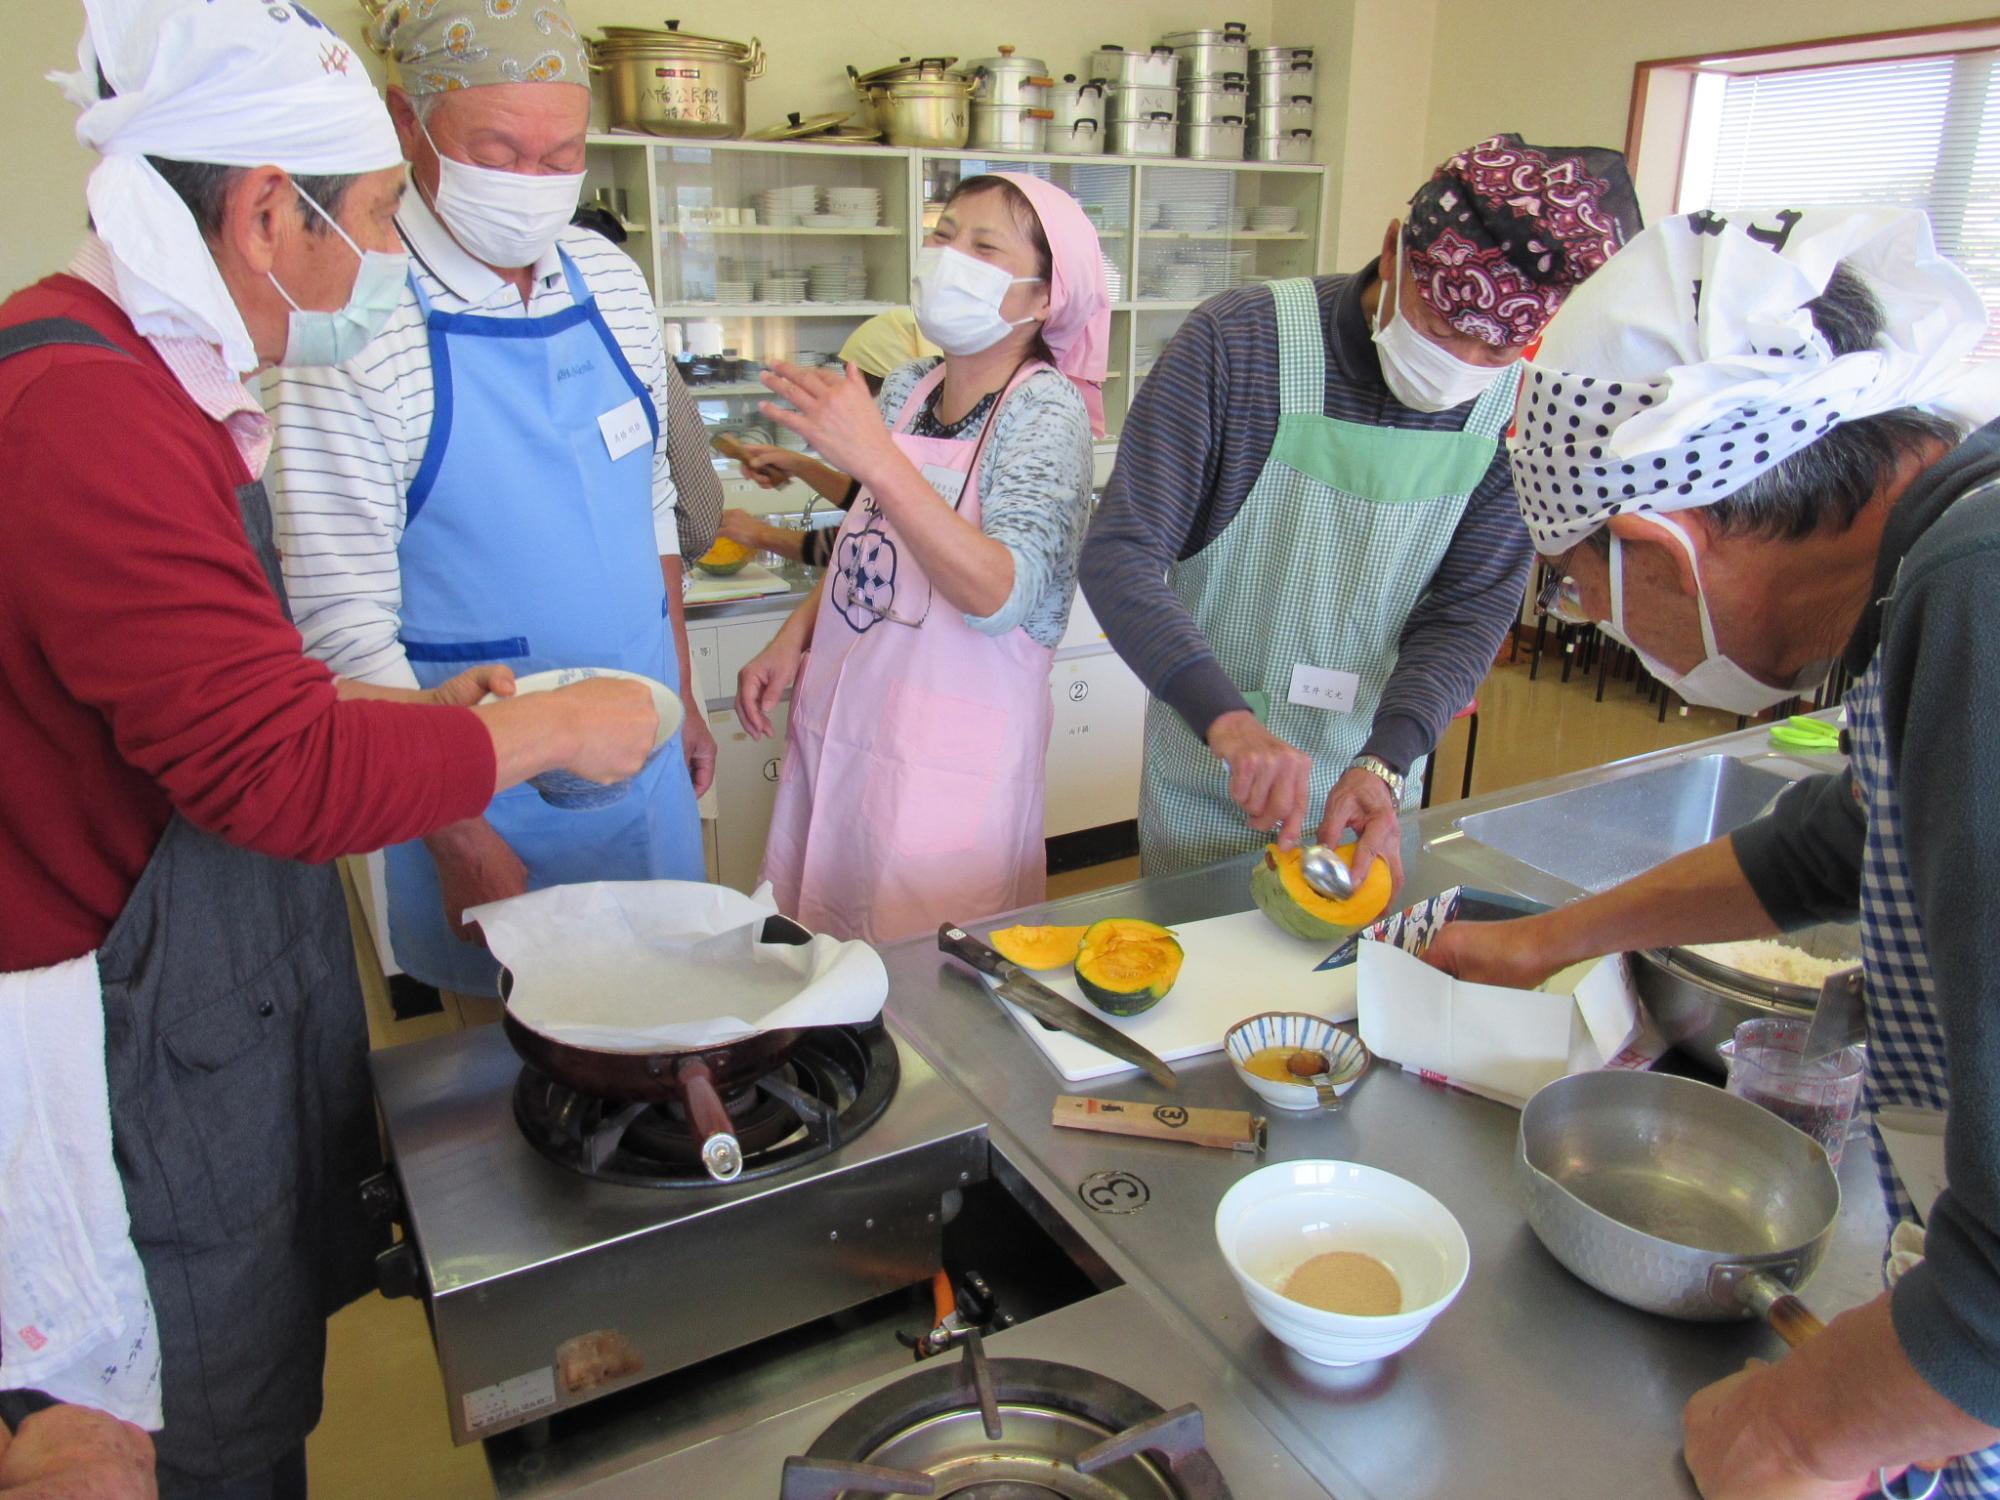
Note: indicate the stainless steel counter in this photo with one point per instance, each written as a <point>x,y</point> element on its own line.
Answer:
<point>1531,1381</point>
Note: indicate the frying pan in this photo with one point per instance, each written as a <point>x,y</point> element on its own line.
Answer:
<point>1680,1199</point>
<point>696,1078</point>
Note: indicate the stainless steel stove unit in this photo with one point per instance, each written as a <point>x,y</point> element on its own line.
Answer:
<point>1143,1358</point>
<point>548,1289</point>
<point>980,1426</point>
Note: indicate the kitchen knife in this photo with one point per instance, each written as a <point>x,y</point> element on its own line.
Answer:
<point>1044,1004</point>
<point>1840,1019</point>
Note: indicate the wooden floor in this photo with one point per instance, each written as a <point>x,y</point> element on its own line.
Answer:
<point>384,1431</point>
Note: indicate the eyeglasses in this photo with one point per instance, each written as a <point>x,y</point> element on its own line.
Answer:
<point>1559,595</point>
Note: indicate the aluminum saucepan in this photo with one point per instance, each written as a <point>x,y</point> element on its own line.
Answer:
<point>1677,1198</point>
<point>696,1078</point>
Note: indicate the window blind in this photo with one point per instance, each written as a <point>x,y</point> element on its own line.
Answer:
<point>1922,131</point>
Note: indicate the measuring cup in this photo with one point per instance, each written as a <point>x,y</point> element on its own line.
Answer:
<point>1767,1066</point>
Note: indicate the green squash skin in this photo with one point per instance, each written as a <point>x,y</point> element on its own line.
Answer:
<point>1121,1002</point>
<point>1267,888</point>
<point>722,570</point>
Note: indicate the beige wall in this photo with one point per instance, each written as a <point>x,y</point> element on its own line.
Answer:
<point>1561,73</point>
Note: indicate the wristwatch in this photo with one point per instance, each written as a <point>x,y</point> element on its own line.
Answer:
<point>1376,766</point>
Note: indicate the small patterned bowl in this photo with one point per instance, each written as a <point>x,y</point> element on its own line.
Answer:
<point>1346,1058</point>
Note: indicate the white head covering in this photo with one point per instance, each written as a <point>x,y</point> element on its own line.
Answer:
<point>1689,364</point>
<point>235,83</point>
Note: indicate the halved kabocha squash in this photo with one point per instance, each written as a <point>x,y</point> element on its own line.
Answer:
<point>1127,966</point>
<point>1038,947</point>
<point>724,558</point>
<point>1279,887</point>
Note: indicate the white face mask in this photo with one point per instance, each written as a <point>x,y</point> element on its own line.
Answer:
<point>1419,373</point>
<point>957,300</point>
<point>313,337</point>
<point>1715,681</point>
<point>506,219</point>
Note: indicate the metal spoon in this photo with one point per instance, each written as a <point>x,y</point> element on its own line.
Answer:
<point>1326,872</point>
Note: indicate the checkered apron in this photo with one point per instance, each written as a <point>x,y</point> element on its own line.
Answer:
<point>1306,572</point>
<point>1906,1061</point>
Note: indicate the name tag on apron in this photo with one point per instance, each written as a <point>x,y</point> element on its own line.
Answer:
<point>949,483</point>
<point>1317,687</point>
<point>624,428</point>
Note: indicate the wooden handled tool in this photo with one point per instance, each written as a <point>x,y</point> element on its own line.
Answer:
<point>1225,1129</point>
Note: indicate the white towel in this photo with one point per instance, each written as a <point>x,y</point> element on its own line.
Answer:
<point>75,1317</point>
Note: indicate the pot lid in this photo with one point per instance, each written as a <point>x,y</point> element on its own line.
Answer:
<point>944,86</point>
<point>1284,54</point>
<point>907,68</point>
<point>797,127</point>
<point>855,136</point>
<point>671,39</point>
<point>1229,34</point>
<point>1221,83</point>
<point>1007,62</point>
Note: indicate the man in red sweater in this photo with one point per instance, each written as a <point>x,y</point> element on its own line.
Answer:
<point>174,772</point>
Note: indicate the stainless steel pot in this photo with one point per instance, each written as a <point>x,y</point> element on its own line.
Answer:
<point>1698,1003</point>
<point>1295,147</point>
<point>1083,137</point>
<point>1280,59</point>
<point>1076,126</point>
<point>673,82</point>
<point>921,103</point>
<point>996,127</point>
<point>1149,137</point>
<point>1214,140</point>
<point>1210,53</point>
<point>1281,119</point>
<point>1113,65</point>
<point>1205,105</point>
<point>1677,1198</point>
<point>1011,82</point>
<point>1140,102</point>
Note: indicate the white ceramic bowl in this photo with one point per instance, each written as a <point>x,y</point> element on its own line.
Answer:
<point>565,789</point>
<point>1295,1031</point>
<point>1280,1216</point>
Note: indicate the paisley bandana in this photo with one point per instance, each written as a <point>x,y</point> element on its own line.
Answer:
<point>440,45</point>
<point>1503,230</point>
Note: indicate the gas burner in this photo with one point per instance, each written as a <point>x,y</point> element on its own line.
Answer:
<point>833,1087</point>
<point>1009,1429</point>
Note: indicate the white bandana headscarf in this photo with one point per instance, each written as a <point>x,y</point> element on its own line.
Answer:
<point>234,83</point>
<point>1689,364</point>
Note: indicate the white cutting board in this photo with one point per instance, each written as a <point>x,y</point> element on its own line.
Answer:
<point>753,581</point>
<point>1236,967</point>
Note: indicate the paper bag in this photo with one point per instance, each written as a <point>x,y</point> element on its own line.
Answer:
<point>1502,1043</point>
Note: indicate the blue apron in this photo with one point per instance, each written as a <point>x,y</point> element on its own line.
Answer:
<point>525,542</point>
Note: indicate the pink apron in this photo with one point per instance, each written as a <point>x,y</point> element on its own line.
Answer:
<point>913,783</point>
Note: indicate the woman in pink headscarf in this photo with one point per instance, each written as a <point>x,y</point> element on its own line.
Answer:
<point>913,781</point>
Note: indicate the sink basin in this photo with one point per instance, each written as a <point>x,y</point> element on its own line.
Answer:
<point>1596,836</point>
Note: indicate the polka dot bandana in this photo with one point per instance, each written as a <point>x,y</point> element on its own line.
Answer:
<point>1689,364</point>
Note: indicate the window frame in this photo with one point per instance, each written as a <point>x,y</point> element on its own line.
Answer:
<point>1661,114</point>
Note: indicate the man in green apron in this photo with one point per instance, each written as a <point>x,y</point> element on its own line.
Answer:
<point>1310,560</point>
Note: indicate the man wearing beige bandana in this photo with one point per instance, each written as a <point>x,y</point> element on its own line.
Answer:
<point>492,478</point>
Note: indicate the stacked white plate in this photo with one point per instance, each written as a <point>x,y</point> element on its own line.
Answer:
<point>782,286</point>
<point>1190,218</point>
<point>1114,279</point>
<point>1177,282</point>
<point>732,291</point>
<point>839,282</point>
<point>1239,217</point>
<point>862,206</point>
<point>785,206</point>
<point>1274,219</point>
